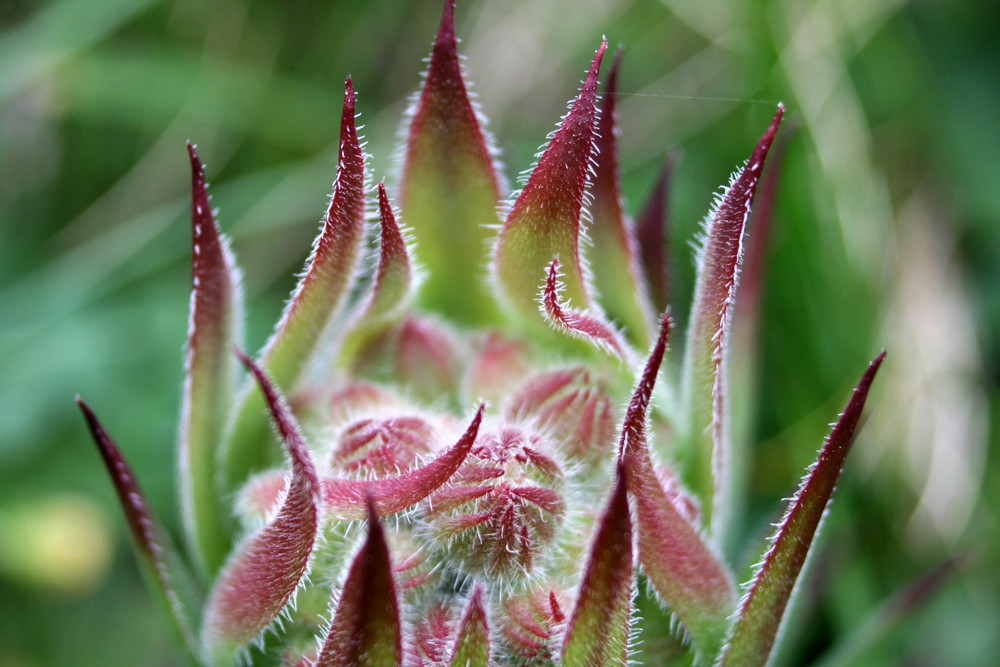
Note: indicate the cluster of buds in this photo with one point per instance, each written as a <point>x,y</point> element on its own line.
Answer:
<point>477,462</point>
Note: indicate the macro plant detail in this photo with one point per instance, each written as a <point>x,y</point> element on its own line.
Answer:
<point>428,464</point>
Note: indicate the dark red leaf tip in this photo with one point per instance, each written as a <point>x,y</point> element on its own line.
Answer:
<point>280,414</point>
<point>197,169</point>
<point>131,496</point>
<point>349,96</point>
<point>756,163</point>
<point>635,416</point>
<point>590,86</point>
<point>446,40</point>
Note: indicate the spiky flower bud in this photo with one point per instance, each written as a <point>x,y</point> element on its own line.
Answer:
<point>474,464</point>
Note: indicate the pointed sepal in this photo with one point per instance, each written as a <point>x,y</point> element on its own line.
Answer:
<point>314,303</point>
<point>598,630</point>
<point>545,219</point>
<point>762,608</point>
<point>613,254</point>
<point>162,566</point>
<point>214,324</point>
<point>704,447</point>
<point>264,572</point>
<point>346,499</point>
<point>391,289</point>
<point>574,406</point>
<point>652,231</point>
<point>366,625</point>
<point>472,641</point>
<point>450,187</point>
<point>682,568</point>
<point>589,326</point>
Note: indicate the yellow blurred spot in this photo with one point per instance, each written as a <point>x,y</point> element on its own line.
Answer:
<point>61,542</point>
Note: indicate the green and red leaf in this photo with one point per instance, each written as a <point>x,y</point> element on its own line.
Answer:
<point>392,288</point>
<point>472,641</point>
<point>366,625</point>
<point>544,221</point>
<point>317,299</point>
<point>683,569</point>
<point>346,499</point>
<point>704,447</point>
<point>264,572</point>
<point>613,255</point>
<point>598,631</point>
<point>161,564</point>
<point>214,325</point>
<point>762,608</point>
<point>451,187</point>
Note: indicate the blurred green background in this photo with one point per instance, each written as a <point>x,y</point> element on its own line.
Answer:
<point>887,233</point>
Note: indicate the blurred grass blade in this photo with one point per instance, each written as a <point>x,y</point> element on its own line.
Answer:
<point>319,294</point>
<point>472,644</point>
<point>162,567</point>
<point>613,255</point>
<point>599,628</point>
<point>345,499</point>
<point>652,230</point>
<point>58,34</point>
<point>703,450</point>
<point>890,616</point>
<point>761,611</point>
<point>689,577</point>
<point>450,188</point>
<point>392,289</point>
<point>544,222</point>
<point>366,629</point>
<point>263,573</point>
<point>214,326</point>
<point>586,325</point>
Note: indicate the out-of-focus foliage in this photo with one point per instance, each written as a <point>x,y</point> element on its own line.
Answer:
<point>885,234</point>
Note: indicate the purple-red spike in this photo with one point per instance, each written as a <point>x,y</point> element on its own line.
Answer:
<point>317,298</point>
<point>450,186</point>
<point>472,641</point>
<point>704,450</point>
<point>652,229</point>
<point>391,289</point>
<point>544,221</point>
<point>579,323</point>
<point>613,254</point>
<point>754,263</point>
<point>682,568</point>
<point>762,608</point>
<point>213,327</point>
<point>366,624</point>
<point>345,499</point>
<point>156,554</point>
<point>599,628</point>
<point>264,572</point>
<point>393,256</point>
